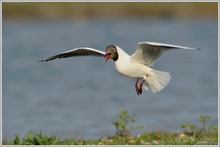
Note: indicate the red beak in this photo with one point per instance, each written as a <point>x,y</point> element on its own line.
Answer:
<point>107,56</point>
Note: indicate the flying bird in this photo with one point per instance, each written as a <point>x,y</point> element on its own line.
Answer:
<point>137,66</point>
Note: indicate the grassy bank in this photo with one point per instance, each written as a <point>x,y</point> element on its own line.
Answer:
<point>83,10</point>
<point>191,135</point>
<point>147,138</point>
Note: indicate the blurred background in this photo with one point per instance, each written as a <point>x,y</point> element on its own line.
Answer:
<point>80,97</point>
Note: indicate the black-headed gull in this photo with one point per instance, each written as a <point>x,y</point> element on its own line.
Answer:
<point>135,66</point>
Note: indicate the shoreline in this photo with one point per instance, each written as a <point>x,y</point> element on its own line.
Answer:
<point>146,138</point>
<point>109,10</point>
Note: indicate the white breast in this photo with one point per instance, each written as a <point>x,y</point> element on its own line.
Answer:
<point>126,67</point>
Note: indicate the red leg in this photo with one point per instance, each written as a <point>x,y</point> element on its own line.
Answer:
<point>140,90</point>
<point>136,87</point>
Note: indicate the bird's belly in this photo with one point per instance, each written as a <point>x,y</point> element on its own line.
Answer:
<point>133,70</point>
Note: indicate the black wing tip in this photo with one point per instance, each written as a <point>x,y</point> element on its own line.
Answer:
<point>43,60</point>
<point>50,58</point>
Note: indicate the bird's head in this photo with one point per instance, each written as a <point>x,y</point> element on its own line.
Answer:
<point>111,52</point>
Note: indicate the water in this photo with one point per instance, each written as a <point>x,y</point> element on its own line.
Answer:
<point>80,97</point>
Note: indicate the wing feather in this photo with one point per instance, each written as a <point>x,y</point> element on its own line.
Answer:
<point>80,51</point>
<point>148,52</point>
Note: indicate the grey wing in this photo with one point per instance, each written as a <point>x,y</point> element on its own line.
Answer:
<point>81,51</point>
<point>148,52</point>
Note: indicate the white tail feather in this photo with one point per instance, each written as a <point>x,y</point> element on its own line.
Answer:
<point>156,81</point>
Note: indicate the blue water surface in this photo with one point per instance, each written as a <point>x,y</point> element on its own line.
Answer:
<point>80,97</point>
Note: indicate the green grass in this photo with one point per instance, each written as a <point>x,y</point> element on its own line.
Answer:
<point>191,135</point>
<point>147,138</point>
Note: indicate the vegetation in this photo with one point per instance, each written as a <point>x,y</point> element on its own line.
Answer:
<point>191,135</point>
<point>121,124</point>
<point>83,10</point>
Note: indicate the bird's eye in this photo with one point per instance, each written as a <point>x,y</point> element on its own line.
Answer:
<point>112,49</point>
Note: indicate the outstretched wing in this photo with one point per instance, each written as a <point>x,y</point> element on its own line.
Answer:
<point>80,51</point>
<point>148,52</point>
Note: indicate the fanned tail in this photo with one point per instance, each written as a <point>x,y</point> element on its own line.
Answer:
<point>156,81</point>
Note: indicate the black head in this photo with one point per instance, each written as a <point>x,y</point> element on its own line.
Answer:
<point>111,52</point>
